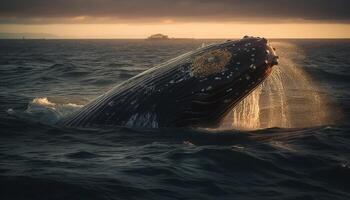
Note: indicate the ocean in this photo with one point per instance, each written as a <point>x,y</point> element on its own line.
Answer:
<point>290,139</point>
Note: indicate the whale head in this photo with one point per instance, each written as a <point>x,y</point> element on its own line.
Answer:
<point>220,76</point>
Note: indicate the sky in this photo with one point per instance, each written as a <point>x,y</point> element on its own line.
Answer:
<point>176,18</point>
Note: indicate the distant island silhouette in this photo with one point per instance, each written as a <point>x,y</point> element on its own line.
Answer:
<point>158,36</point>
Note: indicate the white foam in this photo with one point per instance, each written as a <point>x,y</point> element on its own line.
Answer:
<point>45,110</point>
<point>42,101</point>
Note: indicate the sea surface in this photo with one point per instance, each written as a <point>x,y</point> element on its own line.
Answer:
<point>290,139</point>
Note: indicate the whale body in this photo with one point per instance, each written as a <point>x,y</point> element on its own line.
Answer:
<point>196,89</point>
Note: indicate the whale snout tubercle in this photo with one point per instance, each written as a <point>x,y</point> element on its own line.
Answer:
<point>272,57</point>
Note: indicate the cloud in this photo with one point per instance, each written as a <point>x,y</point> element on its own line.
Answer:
<point>109,11</point>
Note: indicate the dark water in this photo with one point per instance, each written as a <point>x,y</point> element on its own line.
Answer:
<point>43,80</point>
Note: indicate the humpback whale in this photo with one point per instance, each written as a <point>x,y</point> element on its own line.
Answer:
<point>196,89</point>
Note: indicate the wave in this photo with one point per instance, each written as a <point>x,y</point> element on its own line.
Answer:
<point>329,75</point>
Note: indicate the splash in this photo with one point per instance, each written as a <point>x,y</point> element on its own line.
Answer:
<point>42,102</point>
<point>44,110</point>
<point>288,98</point>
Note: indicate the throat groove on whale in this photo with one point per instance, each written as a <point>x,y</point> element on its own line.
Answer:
<point>194,89</point>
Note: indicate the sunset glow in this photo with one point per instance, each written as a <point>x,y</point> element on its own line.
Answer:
<point>118,19</point>
<point>184,30</point>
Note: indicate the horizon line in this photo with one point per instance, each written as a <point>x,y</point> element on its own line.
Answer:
<point>112,38</point>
